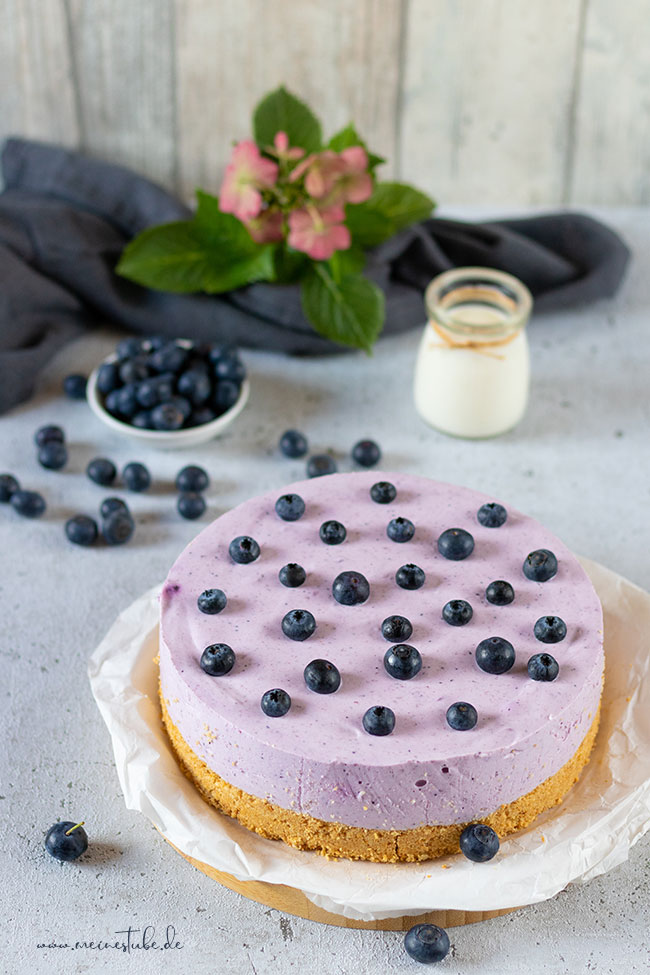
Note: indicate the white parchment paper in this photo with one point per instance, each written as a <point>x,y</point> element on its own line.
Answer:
<point>591,832</point>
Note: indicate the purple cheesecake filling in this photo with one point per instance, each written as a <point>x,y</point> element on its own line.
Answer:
<point>318,759</point>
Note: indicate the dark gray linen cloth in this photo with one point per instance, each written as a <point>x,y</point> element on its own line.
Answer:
<point>64,219</point>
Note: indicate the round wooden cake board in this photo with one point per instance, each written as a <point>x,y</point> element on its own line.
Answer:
<point>292,901</point>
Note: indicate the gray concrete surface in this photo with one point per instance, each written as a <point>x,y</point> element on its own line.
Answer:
<point>580,462</point>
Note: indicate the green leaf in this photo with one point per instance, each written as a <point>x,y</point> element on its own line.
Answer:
<point>392,207</point>
<point>288,264</point>
<point>281,111</point>
<point>350,261</point>
<point>349,136</point>
<point>213,252</point>
<point>350,312</point>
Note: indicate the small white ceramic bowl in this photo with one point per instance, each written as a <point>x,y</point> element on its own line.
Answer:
<point>168,439</point>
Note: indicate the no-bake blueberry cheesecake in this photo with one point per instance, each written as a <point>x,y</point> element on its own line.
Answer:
<point>363,664</point>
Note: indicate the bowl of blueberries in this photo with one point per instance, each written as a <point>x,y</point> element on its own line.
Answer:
<point>169,392</point>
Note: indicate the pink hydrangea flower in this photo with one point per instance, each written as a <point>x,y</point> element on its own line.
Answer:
<point>267,227</point>
<point>356,181</point>
<point>318,233</point>
<point>321,171</point>
<point>282,148</point>
<point>246,174</point>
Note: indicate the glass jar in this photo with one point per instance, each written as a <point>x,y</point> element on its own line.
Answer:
<point>473,368</point>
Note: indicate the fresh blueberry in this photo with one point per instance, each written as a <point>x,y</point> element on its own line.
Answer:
<point>350,588</point>
<point>491,515</point>
<point>293,443</point>
<point>212,601</point>
<point>379,720</point>
<point>81,530</point>
<point>30,504</point>
<point>543,666</point>
<point>109,505</point>
<point>479,842</point>
<point>215,351</point>
<point>192,478</point>
<point>225,396</point>
<point>191,505</point>
<point>183,405</point>
<point>383,492</point>
<point>148,393</point>
<point>500,593</point>
<point>400,530</point>
<point>112,402</point>
<point>275,703</point>
<point>154,342</point>
<point>134,370</point>
<point>550,629</point>
<point>167,416</point>
<point>74,386</point>
<point>320,464</point>
<point>45,434</point>
<point>461,716</point>
<point>53,455</point>
<point>128,348</point>
<point>410,576</point>
<point>396,629</point>
<point>366,453</point>
<point>495,655</point>
<point>66,841</point>
<point>244,549</point>
<point>136,477</point>
<point>142,420</point>
<point>108,378</point>
<point>322,677</point>
<point>102,471</point>
<point>169,358</point>
<point>402,661</point>
<point>290,507</point>
<point>426,943</point>
<point>332,532</point>
<point>165,385</point>
<point>195,385</point>
<point>127,402</point>
<point>229,366</point>
<point>218,659</point>
<point>457,612</point>
<point>540,565</point>
<point>203,415</point>
<point>118,527</point>
<point>298,624</point>
<point>8,484</point>
<point>292,575</point>
<point>455,544</point>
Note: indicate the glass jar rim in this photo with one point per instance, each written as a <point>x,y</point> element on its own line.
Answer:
<point>500,282</point>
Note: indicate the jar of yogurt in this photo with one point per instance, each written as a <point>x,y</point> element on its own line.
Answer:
<point>473,368</point>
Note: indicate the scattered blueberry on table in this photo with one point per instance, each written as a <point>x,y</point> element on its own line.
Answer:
<point>218,659</point>
<point>109,505</point>
<point>275,703</point>
<point>366,453</point>
<point>81,530</point>
<point>495,655</point>
<point>479,842</point>
<point>53,455</point>
<point>298,624</point>
<point>192,478</point>
<point>29,504</point>
<point>403,662</point>
<point>102,471</point>
<point>379,720</point>
<point>550,629</point>
<point>543,666</point>
<point>426,943</point>
<point>8,486</point>
<point>212,601</point>
<point>117,527</point>
<point>136,477</point>
<point>50,432</point>
<point>191,505</point>
<point>322,677</point>
<point>293,444</point>
<point>74,386</point>
<point>66,841</point>
<point>461,716</point>
<point>321,464</point>
<point>292,575</point>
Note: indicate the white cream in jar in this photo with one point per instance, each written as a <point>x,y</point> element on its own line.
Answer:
<point>473,371</point>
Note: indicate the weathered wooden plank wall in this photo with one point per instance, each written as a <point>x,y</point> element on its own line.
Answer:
<point>546,101</point>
